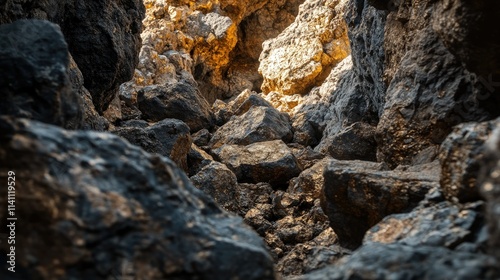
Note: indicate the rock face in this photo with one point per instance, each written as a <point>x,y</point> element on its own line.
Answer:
<point>271,162</point>
<point>304,53</point>
<point>179,100</point>
<point>357,195</point>
<point>462,155</point>
<point>104,206</point>
<point>106,33</point>
<point>169,137</point>
<point>256,125</point>
<point>35,84</point>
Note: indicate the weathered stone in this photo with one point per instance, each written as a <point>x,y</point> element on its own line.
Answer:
<point>257,125</point>
<point>311,180</point>
<point>197,159</point>
<point>270,162</point>
<point>91,119</point>
<point>397,261</point>
<point>169,137</point>
<point>306,156</point>
<point>357,195</point>
<point>353,142</point>
<point>216,180</point>
<point>441,224</point>
<point>252,194</point>
<point>490,189</point>
<point>462,154</point>
<point>104,34</point>
<point>304,53</point>
<point>181,100</point>
<point>34,79</point>
<point>102,205</point>
<point>202,137</point>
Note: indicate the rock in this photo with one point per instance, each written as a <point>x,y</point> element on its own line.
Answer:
<point>216,180</point>
<point>103,205</point>
<point>304,53</point>
<point>180,100</point>
<point>357,195</point>
<point>257,125</point>
<point>197,159</point>
<point>271,162</point>
<point>490,189</point>
<point>311,180</point>
<point>442,224</point>
<point>462,155</point>
<point>252,194</point>
<point>397,261</point>
<point>202,137</point>
<point>34,63</point>
<point>91,119</point>
<point>418,66</point>
<point>169,137</point>
<point>306,156</point>
<point>244,101</point>
<point>106,34</point>
<point>356,141</point>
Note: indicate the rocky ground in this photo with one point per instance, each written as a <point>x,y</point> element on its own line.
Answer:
<point>303,139</point>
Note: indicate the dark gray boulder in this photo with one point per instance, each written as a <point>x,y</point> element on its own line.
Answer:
<point>357,195</point>
<point>271,162</point>
<point>258,124</point>
<point>169,137</point>
<point>93,206</point>
<point>34,80</point>
<point>181,101</point>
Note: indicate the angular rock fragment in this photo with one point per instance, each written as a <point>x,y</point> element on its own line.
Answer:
<point>271,162</point>
<point>357,195</point>
<point>258,124</point>
<point>181,101</point>
<point>169,137</point>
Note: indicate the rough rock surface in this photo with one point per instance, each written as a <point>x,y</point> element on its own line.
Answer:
<point>462,155</point>
<point>104,34</point>
<point>357,195</point>
<point>304,53</point>
<point>257,125</point>
<point>216,180</point>
<point>169,137</point>
<point>97,204</point>
<point>490,189</point>
<point>34,79</point>
<point>271,162</point>
<point>180,100</point>
<point>397,261</point>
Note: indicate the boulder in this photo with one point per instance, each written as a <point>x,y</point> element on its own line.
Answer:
<point>357,195</point>
<point>197,159</point>
<point>169,137</point>
<point>462,155</point>
<point>216,180</point>
<point>398,261</point>
<point>356,141</point>
<point>98,206</point>
<point>305,52</point>
<point>180,100</point>
<point>258,124</point>
<point>35,84</point>
<point>271,162</point>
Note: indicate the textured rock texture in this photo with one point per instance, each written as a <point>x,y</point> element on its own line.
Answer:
<point>34,79</point>
<point>97,205</point>
<point>462,155</point>
<point>104,33</point>
<point>271,162</point>
<point>357,195</point>
<point>169,137</point>
<point>305,52</point>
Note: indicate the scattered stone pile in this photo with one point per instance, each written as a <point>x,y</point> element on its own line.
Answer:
<point>316,139</point>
